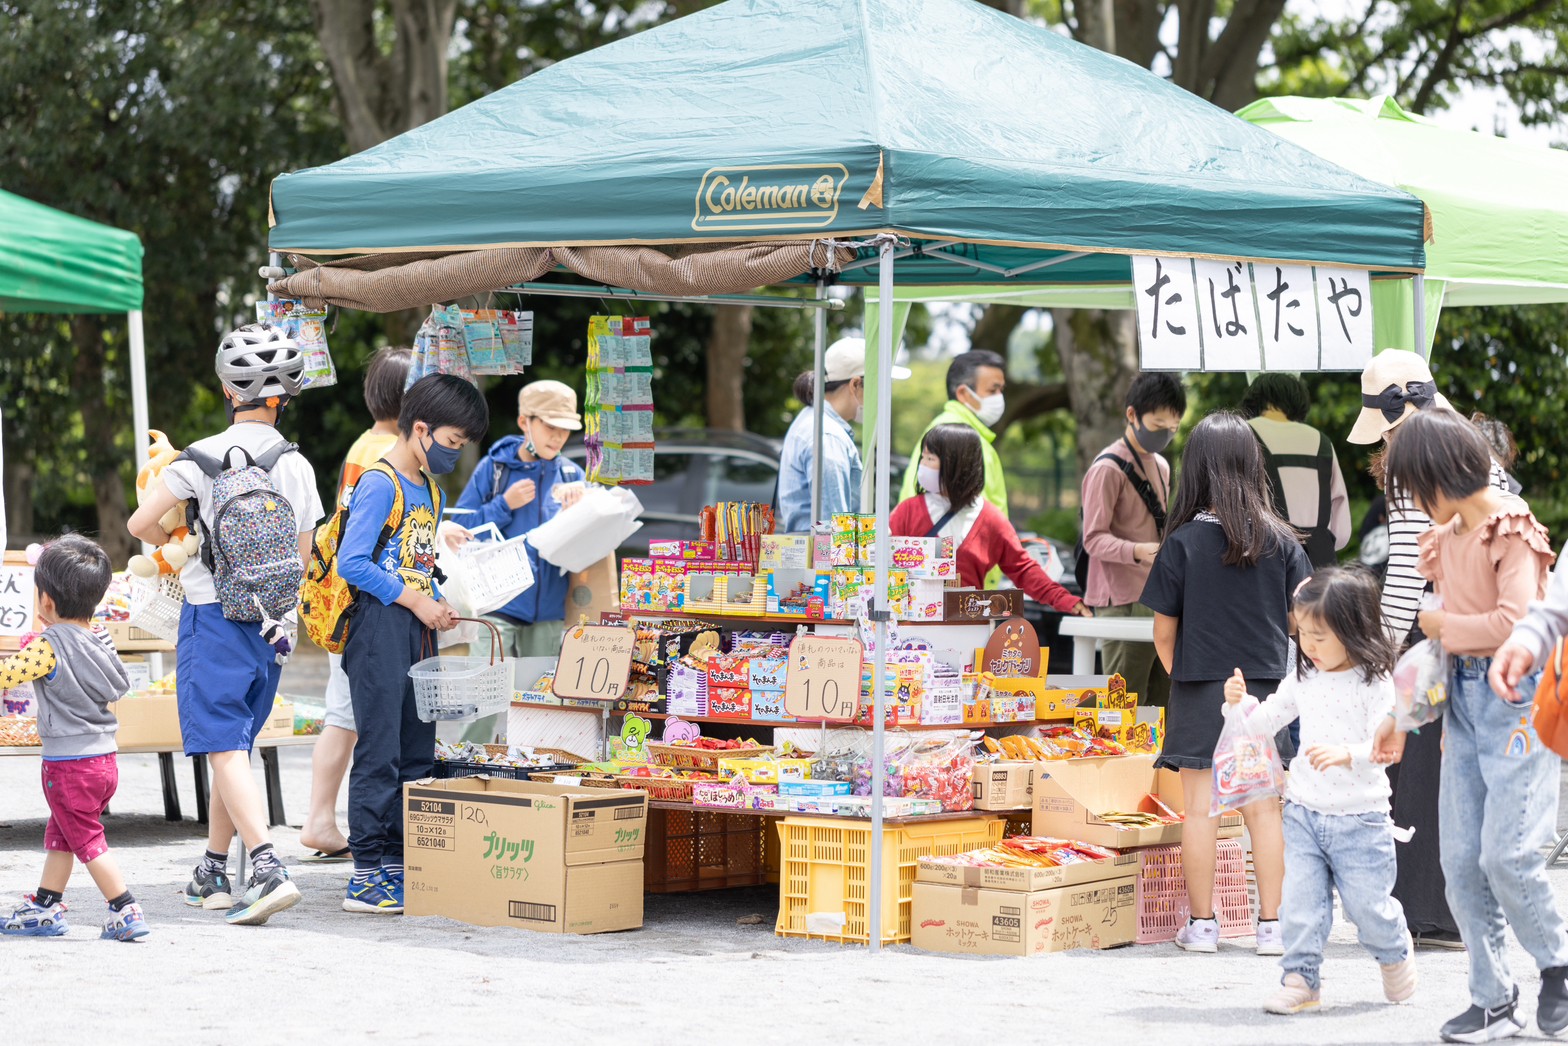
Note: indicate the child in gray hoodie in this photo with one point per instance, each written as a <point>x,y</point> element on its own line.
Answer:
<point>75,673</point>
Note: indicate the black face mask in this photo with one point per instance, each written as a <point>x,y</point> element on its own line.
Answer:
<point>1152,440</point>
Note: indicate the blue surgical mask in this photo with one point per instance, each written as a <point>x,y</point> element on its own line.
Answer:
<point>439,458</point>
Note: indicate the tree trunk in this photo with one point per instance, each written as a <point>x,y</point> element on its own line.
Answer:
<point>98,428</point>
<point>727,347</point>
<point>380,95</point>
<point>994,329</point>
<point>1099,354</point>
<point>19,475</point>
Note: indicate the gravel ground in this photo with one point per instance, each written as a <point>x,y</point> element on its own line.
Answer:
<point>691,974</point>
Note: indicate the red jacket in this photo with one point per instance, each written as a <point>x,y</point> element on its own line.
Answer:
<point>991,542</point>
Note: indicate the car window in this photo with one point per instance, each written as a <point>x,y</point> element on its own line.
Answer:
<point>674,484</point>
<point>738,478</point>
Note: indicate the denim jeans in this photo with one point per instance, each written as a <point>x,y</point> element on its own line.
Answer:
<point>1353,853</point>
<point>1498,807</point>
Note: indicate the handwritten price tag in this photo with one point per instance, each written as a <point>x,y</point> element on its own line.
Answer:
<point>595,662</point>
<point>824,678</point>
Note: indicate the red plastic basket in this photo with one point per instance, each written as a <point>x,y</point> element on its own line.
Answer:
<point>699,850</point>
<point>1162,893</point>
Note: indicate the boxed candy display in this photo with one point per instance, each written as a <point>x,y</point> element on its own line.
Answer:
<point>681,550</point>
<point>930,558</point>
<point>786,552</point>
<point>798,593</point>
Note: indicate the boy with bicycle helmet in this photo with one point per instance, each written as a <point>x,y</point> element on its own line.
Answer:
<point>227,664</point>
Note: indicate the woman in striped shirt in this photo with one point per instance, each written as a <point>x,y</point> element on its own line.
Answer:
<point>1395,385</point>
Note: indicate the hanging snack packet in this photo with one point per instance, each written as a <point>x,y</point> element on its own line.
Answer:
<point>517,338</point>
<point>486,352</point>
<point>1247,766</point>
<point>308,330</point>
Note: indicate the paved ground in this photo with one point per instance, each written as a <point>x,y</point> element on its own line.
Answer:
<point>691,975</point>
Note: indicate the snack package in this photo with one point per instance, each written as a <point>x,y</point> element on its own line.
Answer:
<point>1247,766</point>
<point>486,352</point>
<point>308,330</point>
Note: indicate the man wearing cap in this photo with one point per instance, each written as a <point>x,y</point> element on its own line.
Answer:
<point>843,401</point>
<point>521,482</point>
<point>1395,385</point>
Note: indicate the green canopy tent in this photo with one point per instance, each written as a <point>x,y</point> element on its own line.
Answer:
<point>54,262</point>
<point>762,142</point>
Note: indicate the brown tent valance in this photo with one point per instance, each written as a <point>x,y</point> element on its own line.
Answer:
<point>389,282</point>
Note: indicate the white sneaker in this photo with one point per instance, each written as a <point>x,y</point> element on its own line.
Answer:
<point>1199,935</point>
<point>1271,941</point>
<point>1293,996</point>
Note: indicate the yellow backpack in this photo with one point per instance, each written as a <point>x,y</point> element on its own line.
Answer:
<point>325,599</point>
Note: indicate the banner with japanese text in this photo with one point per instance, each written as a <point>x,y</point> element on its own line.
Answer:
<point>1220,315</point>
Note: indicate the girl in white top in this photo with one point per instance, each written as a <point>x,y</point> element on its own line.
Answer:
<point>1337,827</point>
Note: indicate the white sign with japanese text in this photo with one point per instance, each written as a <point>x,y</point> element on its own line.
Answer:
<point>1217,315</point>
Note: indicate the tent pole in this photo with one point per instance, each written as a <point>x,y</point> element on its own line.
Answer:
<point>139,420</point>
<point>820,324</point>
<point>881,615</point>
<point>1418,292</point>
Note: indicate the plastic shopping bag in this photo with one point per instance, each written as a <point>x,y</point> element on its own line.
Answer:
<point>1247,766</point>
<point>580,536</point>
<point>1421,685</point>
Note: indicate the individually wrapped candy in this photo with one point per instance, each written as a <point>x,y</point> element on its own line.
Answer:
<point>1421,679</point>
<point>1247,766</point>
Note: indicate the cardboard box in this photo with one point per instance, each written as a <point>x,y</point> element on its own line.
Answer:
<point>970,921</point>
<point>126,637</point>
<point>280,723</point>
<point>1070,794</point>
<point>151,720</point>
<point>1062,696</point>
<point>543,857</point>
<point>943,704</point>
<point>1004,786</point>
<point>681,550</point>
<point>138,671</point>
<point>767,706</point>
<point>1025,880</point>
<point>798,593</point>
<point>729,704</point>
<point>921,557</point>
<point>975,604</point>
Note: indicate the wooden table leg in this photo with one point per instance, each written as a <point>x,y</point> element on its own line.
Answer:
<point>171,791</point>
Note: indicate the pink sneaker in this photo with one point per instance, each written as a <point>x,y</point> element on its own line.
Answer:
<point>1199,935</point>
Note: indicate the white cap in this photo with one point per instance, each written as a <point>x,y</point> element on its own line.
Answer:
<point>846,359</point>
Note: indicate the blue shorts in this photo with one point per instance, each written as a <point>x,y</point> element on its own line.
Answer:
<point>227,678</point>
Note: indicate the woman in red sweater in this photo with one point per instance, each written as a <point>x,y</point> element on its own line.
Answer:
<point>951,462</point>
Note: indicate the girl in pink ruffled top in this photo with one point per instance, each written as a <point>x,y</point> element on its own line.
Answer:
<point>1488,558</point>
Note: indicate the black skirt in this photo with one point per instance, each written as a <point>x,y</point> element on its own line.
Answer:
<point>1193,721</point>
<point>1419,884</point>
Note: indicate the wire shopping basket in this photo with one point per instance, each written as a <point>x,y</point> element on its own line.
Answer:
<point>451,688</point>
<point>493,573</point>
<point>156,605</point>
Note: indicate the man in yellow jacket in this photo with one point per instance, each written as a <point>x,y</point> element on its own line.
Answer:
<point>975,383</point>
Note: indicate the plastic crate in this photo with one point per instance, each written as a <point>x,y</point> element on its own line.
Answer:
<point>827,871</point>
<point>1162,893</point>
<point>693,850</point>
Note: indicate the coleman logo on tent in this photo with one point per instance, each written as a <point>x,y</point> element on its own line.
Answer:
<point>784,197</point>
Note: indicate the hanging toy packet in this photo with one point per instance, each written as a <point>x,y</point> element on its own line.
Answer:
<point>1247,766</point>
<point>308,329</point>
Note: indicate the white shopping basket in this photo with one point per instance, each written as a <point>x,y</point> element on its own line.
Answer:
<point>493,573</point>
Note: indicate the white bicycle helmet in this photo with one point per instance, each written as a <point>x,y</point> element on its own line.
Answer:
<point>259,361</point>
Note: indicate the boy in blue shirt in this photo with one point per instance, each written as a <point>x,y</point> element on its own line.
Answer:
<point>389,557</point>
<point>515,487</point>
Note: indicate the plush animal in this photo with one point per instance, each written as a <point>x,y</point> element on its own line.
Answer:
<point>182,543</point>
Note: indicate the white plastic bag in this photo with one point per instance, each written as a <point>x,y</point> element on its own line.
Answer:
<point>1247,766</point>
<point>1421,685</point>
<point>582,535</point>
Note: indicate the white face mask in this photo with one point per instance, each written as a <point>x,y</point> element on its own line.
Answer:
<point>929,479</point>
<point>990,409</point>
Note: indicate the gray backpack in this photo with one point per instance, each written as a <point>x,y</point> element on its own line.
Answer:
<point>252,548</point>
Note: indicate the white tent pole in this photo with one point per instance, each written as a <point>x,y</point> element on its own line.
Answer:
<point>139,438</point>
<point>1418,292</point>
<point>820,324</point>
<point>884,433</point>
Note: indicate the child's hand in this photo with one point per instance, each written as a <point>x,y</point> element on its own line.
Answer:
<point>1235,689</point>
<point>454,534</point>
<point>1509,665</point>
<point>1388,744</point>
<point>439,616</point>
<point>1431,622</point>
<point>1324,756</point>
<point>519,494</point>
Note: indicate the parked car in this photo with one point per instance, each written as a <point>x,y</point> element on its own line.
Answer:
<point>697,467</point>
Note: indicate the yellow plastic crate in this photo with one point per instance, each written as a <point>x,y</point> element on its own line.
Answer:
<point>826,873</point>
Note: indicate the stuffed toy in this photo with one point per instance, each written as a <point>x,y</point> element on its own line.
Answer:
<point>182,543</point>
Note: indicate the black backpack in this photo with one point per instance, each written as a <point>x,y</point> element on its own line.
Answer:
<point>1145,491</point>
<point>1319,541</point>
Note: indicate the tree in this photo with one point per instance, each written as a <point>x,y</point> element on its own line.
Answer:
<point>1229,53</point>
<point>167,119</point>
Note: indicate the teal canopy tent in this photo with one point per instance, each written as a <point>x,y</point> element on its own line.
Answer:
<point>762,142</point>
<point>55,262</point>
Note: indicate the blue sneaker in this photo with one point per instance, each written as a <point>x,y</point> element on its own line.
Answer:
<point>381,894</point>
<point>34,920</point>
<point>127,924</point>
